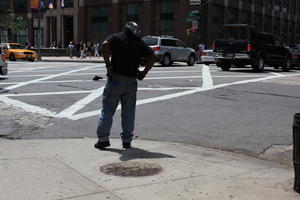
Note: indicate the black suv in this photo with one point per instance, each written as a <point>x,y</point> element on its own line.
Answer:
<point>242,44</point>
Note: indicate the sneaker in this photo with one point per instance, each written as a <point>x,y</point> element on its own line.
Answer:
<point>102,145</point>
<point>126,145</point>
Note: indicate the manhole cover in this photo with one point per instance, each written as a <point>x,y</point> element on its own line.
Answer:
<point>131,169</point>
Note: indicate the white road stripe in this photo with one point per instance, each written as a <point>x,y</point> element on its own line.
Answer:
<point>81,103</point>
<point>27,107</point>
<point>207,81</point>
<point>175,95</point>
<point>44,78</point>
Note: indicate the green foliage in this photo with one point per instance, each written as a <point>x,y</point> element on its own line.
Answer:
<point>14,23</point>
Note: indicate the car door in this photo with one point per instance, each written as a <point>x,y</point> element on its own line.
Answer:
<point>168,46</point>
<point>270,49</point>
<point>280,50</point>
<point>181,51</point>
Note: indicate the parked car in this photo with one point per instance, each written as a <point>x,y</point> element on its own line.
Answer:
<point>295,51</point>
<point>208,56</point>
<point>169,49</point>
<point>14,51</point>
<point>242,44</point>
<point>3,64</point>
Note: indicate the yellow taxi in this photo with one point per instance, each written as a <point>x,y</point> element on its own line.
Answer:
<point>14,51</point>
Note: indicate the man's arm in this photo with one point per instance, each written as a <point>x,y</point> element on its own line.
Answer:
<point>149,65</point>
<point>106,57</point>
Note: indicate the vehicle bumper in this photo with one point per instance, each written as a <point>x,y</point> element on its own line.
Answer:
<point>234,58</point>
<point>3,69</point>
<point>208,59</point>
<point>25,57</point>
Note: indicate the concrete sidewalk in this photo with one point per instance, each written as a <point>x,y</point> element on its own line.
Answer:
<point>70,169</point>
<point>74,59</point>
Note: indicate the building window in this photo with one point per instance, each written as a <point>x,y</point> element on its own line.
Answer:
<point>268,4</point>
<point>21,6</point>
<point>4,5</point>
<point>277,5</point>
<point>99,19</point>
<point>133,12</point>
<point>233,15</point>
<point>259,2</point>
<point>167,15</point>
<point>216,20</point>
<point>3,36</point>
<point>268,24</point>
<point>276,26</point>
<point>246,17</point>
<point>257,21</point>
<point>69,3</point>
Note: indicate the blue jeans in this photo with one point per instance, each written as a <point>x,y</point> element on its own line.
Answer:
<point>119,89</point>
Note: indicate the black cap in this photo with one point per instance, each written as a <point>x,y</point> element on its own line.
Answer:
<point>133,29</point>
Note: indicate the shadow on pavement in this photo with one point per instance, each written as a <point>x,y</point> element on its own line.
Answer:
<point>137,153</point>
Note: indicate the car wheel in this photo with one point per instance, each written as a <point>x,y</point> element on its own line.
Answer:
<point>259,65</point>
<point>166,61</point>
<point>31,60</point>
<point>12,57</point>
<point>287,65</point>
<point>224,66</point>
<point>191,60</point>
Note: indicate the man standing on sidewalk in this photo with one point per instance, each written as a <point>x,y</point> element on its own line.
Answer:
<point>126,49</point>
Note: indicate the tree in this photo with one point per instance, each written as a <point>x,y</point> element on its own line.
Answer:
<point>14,24</point>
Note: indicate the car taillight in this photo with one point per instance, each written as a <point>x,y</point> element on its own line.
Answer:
<point>203,53</point>
<point>295,56</point>
<point>156,48</point>
<point>249,47</point>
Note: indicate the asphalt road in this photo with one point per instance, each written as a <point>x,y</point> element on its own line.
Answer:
<point>238,110</point>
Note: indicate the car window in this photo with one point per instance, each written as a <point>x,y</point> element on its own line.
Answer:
<point>180,44</point>
<point>265,38</point>
<point>150,41</point>
<point>170,43</point>
<point>16,46</point>
<point>233,33</point>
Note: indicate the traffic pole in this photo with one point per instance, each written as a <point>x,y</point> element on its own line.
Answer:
<point>296,151</point>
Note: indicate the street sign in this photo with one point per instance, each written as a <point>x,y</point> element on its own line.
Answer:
<point>195,2</point>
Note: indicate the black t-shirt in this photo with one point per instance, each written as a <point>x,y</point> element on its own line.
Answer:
<point>126,53</point>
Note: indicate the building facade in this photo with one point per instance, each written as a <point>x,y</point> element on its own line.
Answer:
<point>192,21</point>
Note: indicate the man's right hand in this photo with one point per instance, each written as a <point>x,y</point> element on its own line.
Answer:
<point>141,75</point>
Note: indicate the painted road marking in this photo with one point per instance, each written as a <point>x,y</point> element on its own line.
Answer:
<point>70,112</point>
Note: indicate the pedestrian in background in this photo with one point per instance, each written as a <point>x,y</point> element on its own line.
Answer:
<point>200,49</point>
<point>96,50</point>
<point>71,49</point>
<point>126,49</point>
<point>82,49</point>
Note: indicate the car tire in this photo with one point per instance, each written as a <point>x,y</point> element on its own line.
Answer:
<point>224,66</point>
<point>287,65</point>
<point>259,64</point>
<point>166,60</point>
<point>191,60</point>
<point>12,57</point>
<point>31,60</point>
